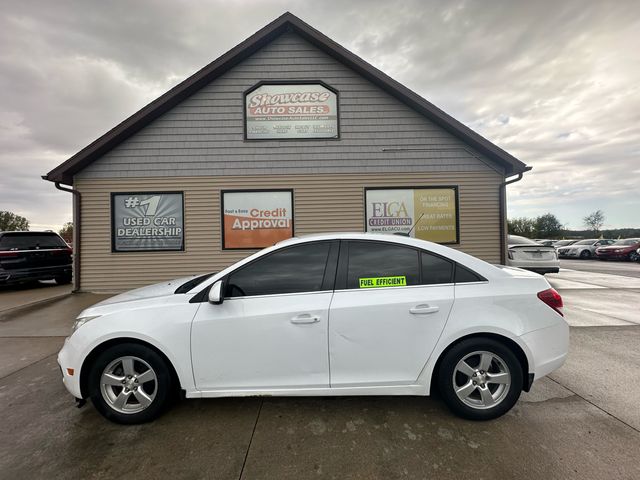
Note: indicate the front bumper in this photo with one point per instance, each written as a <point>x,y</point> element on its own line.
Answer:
<point>612,256</point>
<point>69,358</point>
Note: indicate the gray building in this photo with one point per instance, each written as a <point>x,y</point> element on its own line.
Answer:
<point>286,134</point>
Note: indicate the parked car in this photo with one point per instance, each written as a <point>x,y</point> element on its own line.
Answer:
<point>584,249</point>
<point>406,315</point>
<point>563,243</point>
<point>626,249</point>
<point>29,256</point>
<point>530,255</point>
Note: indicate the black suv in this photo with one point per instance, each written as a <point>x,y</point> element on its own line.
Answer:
<point>27,256</point>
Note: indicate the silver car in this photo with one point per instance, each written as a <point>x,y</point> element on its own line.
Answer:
<point>584,249</point>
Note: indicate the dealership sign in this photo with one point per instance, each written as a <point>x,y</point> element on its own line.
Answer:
<point>428,213</point>
<point>256,219</point>
<point>291,111</point>
<point>147,221</point>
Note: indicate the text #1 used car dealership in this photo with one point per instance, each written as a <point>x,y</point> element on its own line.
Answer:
<point>287,134</point>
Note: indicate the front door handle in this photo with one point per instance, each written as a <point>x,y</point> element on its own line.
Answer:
<point>305,318</point>
<point>423,309</point>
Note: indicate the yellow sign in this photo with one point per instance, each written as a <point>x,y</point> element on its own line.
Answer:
<point>378,282</point>
<point>437,207</point>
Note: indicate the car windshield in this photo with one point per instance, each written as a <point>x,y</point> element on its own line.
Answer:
<point>585,242</point>
<point>31,241</point>
<point>516,240</point>
<point>627,241</point>
<point>194,282</point>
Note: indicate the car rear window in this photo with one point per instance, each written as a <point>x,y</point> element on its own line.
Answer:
<point>516,240</point>
<point>31,241</point>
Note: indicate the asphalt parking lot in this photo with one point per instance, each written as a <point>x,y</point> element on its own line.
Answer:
<point>581,422</point>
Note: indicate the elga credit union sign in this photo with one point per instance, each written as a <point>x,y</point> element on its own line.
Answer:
<point>291,111</point>
<point>147,221</point>
<point>256,219</point>
<point>428,213</point>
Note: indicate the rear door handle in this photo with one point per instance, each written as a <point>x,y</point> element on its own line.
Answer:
<point>423,309</point>
<point>305,318</point>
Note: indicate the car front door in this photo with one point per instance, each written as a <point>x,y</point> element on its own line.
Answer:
<point>389,308</point>
<point>270,332</point>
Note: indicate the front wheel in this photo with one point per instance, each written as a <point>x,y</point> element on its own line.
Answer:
<point>480,379</point>
<point>585,254</point>
<point>634,256</point>
<point>130,383</point>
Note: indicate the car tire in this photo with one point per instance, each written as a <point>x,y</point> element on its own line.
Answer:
<point>634,257</point>
<point>485,399</point>
<point>585,254</point>
<point>147,388</point>
<point>63,279</point>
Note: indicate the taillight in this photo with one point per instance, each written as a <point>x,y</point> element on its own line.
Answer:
<point>552,298</point>
<point>8,254</point>
<point>63,250</point>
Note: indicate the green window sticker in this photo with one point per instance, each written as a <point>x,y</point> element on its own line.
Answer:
<point>378,282</point>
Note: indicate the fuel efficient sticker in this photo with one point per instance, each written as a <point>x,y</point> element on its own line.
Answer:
<point>377,282</point>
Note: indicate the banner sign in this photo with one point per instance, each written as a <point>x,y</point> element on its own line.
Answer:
<point>147,221</point>
<point>431,211</point>
<point>291,111</point>
<point>256,219</point>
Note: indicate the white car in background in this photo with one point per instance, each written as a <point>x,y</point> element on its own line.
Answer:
<point>583,249</point>
<point>530,255</point>
<point>341,314</point>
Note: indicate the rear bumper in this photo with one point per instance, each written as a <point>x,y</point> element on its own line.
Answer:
<point>25,274</point>
<point>549,347</point>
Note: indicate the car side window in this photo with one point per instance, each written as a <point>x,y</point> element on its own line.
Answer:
<point>435,269</point>
<point>300,268</point>
<point>464,275</point>
<point>376,264</point>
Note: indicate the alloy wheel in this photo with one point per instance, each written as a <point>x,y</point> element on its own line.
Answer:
<point>128,384</point>
<point>481,380</point>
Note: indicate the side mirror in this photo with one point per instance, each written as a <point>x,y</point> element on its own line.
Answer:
<point>216,293</point>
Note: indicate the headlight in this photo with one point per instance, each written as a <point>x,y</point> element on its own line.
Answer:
<point>81,321</point>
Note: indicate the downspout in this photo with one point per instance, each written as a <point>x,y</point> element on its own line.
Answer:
<point>503,215</point>
<point>76,234</point>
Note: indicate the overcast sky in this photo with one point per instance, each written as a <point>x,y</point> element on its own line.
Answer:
<point>555,83</point>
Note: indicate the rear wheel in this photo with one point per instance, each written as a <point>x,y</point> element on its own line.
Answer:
<point>480,379</point>
<point>130,383</point>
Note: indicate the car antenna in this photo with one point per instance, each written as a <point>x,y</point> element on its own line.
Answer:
<point>408,234</point>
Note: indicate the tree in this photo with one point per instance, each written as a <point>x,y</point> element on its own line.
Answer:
<point>594,221</point>
<point>66,232</point>
<point>521,226</point>
<point>10,221</point>
<point>547,226</point>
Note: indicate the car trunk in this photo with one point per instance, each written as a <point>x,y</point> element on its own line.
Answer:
<point>536,253</point>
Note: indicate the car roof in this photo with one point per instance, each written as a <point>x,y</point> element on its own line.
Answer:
<point>476,264</point>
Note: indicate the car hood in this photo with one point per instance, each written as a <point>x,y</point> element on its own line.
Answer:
<point>151,291</point>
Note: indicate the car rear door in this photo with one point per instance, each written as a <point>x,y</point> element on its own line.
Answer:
<point>270,332</point>
<point>390,306</point>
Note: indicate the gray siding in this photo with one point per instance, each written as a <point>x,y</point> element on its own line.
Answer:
<point>204,135</point>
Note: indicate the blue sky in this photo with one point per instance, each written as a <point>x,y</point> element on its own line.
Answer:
<point>557,84</point>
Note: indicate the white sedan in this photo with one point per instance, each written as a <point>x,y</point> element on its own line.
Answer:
<point>341,314</point>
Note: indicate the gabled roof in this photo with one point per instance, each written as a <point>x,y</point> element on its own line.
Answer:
<point>288,22</point>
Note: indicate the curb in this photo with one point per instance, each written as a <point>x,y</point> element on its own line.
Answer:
<point>27,306</point>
